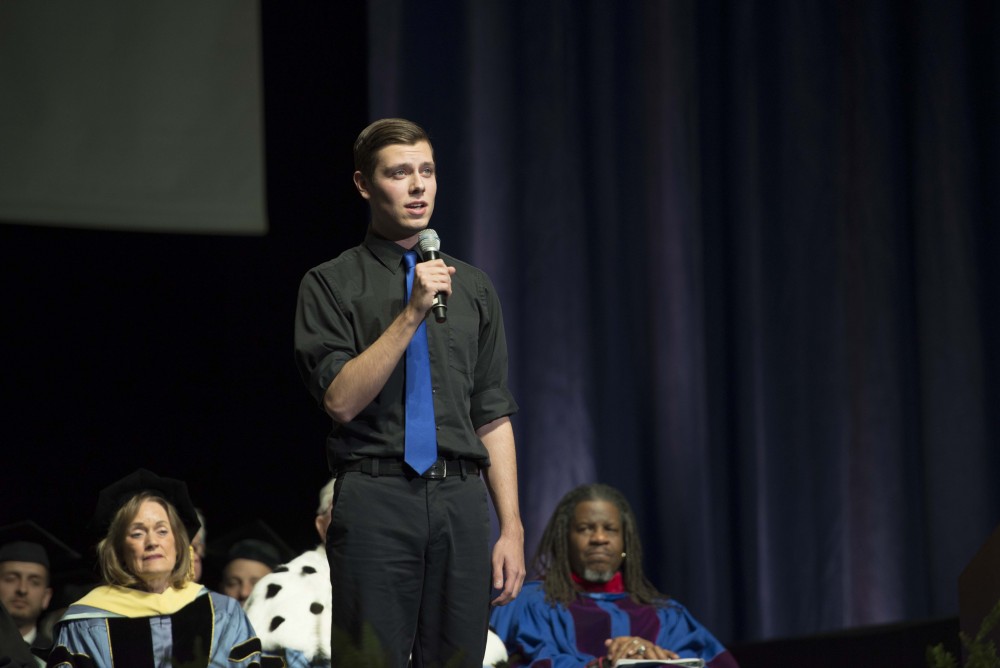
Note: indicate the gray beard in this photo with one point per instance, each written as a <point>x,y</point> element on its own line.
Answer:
<point>591,575</point>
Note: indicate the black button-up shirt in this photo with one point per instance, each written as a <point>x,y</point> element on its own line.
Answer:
<point>344,306</point>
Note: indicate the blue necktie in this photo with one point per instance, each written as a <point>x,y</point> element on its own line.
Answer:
<point>421,433</point>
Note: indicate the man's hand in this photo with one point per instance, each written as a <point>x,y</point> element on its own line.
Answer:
<point>429,279</point>
<point>501,480</point>
<point>634,647</point>
<point>508,568</point>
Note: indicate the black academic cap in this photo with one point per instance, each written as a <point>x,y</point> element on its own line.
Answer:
<point>257,550</point>
<point>115,495</point>
<point>254,540</point>
<point>27,541</point>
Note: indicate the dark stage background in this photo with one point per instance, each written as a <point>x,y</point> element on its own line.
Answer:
<point>747,253</point>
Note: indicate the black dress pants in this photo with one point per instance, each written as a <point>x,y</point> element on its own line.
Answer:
<point>410,571</point>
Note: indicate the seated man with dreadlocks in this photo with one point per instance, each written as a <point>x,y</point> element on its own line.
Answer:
<point>594,605</point>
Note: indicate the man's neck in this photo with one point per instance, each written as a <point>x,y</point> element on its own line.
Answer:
<point>406,242</point>
<point>29,633</point>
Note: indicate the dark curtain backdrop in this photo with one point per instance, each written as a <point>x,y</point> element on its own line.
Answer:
<point>747,252</point>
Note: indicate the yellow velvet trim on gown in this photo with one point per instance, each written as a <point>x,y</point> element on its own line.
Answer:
<point>135,603</point>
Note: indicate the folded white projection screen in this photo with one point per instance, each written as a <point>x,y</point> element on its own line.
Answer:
<point>144,116</point>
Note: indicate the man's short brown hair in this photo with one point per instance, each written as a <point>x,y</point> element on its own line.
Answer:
<point>382,133</point>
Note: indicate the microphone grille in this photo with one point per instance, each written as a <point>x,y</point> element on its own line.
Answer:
<point>428,241</point>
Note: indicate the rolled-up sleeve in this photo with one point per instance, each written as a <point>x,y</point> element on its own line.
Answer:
<point>490,397</point>
<point>323,337</point>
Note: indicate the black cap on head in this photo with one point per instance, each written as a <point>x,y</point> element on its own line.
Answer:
<point>256,550</point>
<point>254,540</point>
<point>115,495</point>
<point>27,541</point>
<point>22,550</point>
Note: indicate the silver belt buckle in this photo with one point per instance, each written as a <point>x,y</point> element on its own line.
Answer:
<point>437,471</point>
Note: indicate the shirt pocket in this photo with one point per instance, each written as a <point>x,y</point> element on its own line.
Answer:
<point>463,342</point>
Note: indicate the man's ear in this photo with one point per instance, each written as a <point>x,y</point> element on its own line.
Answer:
<point>47,598</point>
<point>322,525</point>
<point>361,183</point>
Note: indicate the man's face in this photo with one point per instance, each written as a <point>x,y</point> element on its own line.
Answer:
<point>595,540</point>
<point>401,191</point>
<point>239,577</point>
<point>198,554</point>
<point>24,591</point>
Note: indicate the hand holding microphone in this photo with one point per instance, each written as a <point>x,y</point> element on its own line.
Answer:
<point>430,247</point>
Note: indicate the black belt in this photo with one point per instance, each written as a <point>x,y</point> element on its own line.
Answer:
<point>442,468</point>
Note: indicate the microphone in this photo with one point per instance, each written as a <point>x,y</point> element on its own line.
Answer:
<point>430,244</point>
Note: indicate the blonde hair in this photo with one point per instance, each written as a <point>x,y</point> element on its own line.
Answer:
<point>111,550</point>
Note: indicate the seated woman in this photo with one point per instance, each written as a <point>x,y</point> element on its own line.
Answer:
<point>594,605</point>
<point>149,613</point>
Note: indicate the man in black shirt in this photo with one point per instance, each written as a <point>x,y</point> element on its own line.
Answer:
<point>409,555</point>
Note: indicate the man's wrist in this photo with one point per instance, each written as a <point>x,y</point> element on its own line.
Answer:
<point>512,530</point>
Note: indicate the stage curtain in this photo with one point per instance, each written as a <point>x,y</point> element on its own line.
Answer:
<point>747,256</point>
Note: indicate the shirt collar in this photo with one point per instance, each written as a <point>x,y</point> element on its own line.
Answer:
<point>389,253</point>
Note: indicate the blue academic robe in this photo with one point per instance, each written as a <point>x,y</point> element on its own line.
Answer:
<point>541,635</point>
<point>125,628</point>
